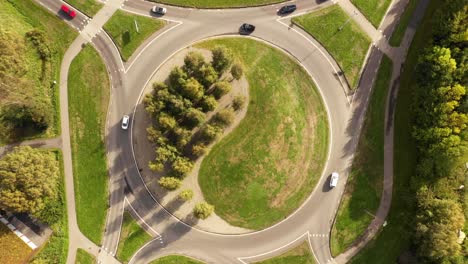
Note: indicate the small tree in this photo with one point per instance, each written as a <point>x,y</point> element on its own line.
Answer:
<point>199,149</point>
<point>167,122</point>
<point>170,183</point>
<point>210,132</point>
<point>177,78</point>
<point>153,134</point>
<point>183,137</point>
<point>192,89</point>
<point>220,89</point>
<point>208,103</point>
<point>222,59</point>
<point>186,195</point>
<point>182,166</point>
<point>194,117</point>
<point>237,70</point>
<point>193,63</point>
<point>156,166</point>
<point>224,117</point>
<point>238,102</point>
<point>208,75</point>
<point>203,210</point>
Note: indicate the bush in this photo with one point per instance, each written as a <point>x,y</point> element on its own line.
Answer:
<point>208,76</point>
<point>170,183</point>
<point>177,78</point>
<point>182,166</point>
<point>167,122</point>
<point>192,89</point>
<point>186,195</point>
<point>39,40</point>
<point>203,210</point>
<point>237,70</point>
<point>209,103</point>
<point>220,89</point>
<point>183,137</point>
<point>194,117</point>
<point>238,102</point>
<point>224,117</point>
<point>193,62</point>
<point>210,133</point>
<point>199,149</point>
<point>156,166</point>
<point>222,59</point>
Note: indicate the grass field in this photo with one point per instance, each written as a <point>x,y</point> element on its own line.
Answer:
<point>217,3</point>
<point>374,10</point>
<point>364,188</point>
<point>88,95</point>
<point>400,29</point>
<point>56,248</point>
<point>121,27</point>
<point>12,249</point>
<point>394,238</point>
<point>263,170</point>
<point>22,16</point>
<point>132,237</point>
<point>348,46</point>
<point>298,255</point>
<point>88,7</point>
<point>83,257</point>
<point>176,259</point>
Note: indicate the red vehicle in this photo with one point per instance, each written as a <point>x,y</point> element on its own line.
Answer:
<point>68,10</point>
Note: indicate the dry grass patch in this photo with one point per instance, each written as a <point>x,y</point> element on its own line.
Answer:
<point>12,249</point>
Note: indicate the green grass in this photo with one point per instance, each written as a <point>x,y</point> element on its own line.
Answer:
<point>400,29</point>
<point>132,237</point>
<point>56,248</point>
<point>373,10</point>
<point>83,257</point>
<point>298,255</point>
<point>88,95</point>
<point>364,188</point>
<point>88,7</point>
<point>218,3</point>
<point>176,259</point>
<point>12,248</point>
<point>21,16</point>
<point>263,170</point>
<point>348,46</point>
<point>121,27</point>
<point>395,237</point>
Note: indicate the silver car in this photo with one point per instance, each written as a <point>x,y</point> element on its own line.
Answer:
<point>125,122</point>
<point>334,179</point>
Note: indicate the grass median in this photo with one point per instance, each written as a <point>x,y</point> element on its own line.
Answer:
<point>298,255</point>
<point>176,259</point>
<point>122,27</point>
<point>400,29</point>
<point>373,10</point>
<point>132,237</point>
<point>88,96</point>
<point>83,257</point>
<point>266,167</point>
<point>364,188</point>
<point>88,7</point>
<point>341,36</point>
<point>218,3</point>
<point>393,239</point>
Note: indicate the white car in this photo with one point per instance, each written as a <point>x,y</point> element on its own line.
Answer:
<point>125,122</point>
<point>159,10</point>
<point>334,179</point>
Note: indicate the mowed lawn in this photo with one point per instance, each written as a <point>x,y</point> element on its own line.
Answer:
<point>88,96</point>
<point>217,3</point>
<point>364,188</point>
<point>121,27</point>
<point>88,7</point>
<point>394,238</point>
<point>348,46</point>
<point>12,249</point>
<point>298,255</point>
<point>262,171</point>
<point>20,17</point>
<point>176,259</point>
<point>132,237</point>
<point>83,257</point>
<point>374,10</point>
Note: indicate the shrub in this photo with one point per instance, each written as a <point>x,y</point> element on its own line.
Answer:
<point>182,166</point>
<point>170,183</point>
<point>194,117</point>
<point>210,133</point>
<point>237,70</point>
<point>220,89</point>
<point>208,76</point>
<point>209,103</point>
<point>177,78</point>
<point>203,210</point>
<point>199,149</point>
<point>154,135</point>
<point>186,195</point>
<point>39,40</point>
<point>192,89</point>
<point>193,62</point>
<point>224,117</point>
<point>156,166</point>
<point>183,137</point>
<point>222,59</point>
<point>238,102</point>
<point>167,122</point>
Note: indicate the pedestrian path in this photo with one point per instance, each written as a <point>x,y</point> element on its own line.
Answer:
<point>95,25</point>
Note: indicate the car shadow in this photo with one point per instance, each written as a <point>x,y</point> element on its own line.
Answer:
<point>326,185</point>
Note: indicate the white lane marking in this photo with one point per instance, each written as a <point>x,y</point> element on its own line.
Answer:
<point>143,220</point>
<point>312,250</point>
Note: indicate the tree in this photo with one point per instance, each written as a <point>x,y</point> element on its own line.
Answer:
<point>193,62</point>
<point>237,71</point>
<point>220,89</point>
<point>194,117</point>
<point>192,89</point>
<point>154,135</point>
<point>436,68</point>
<point>166,153</point>
<point>183,137</point>
<point>238,102</point>
<point>186,195</point>
<point>170,183</point>
<point>198,149</point>
<point>210,133</point>
<point>208,75</point>
<point>208,103</point>
<point>166,122</point>
<point>182,166</point>
<point>222,59</point>
<point>28,178</point>
<point>203,210</point>
<point>177,78</point>
<point>156,166</point>
<point>224,117</point>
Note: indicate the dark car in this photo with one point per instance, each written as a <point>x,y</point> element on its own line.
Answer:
<point>287,9</point>
<point>246,29</point>
<point>70,12</point>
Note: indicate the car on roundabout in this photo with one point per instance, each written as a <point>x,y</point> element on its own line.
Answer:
<point>246,29</point>
<point>159,10</point>
<point>334,179</point>
<point>287,9</point>
<point>125,122</point>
